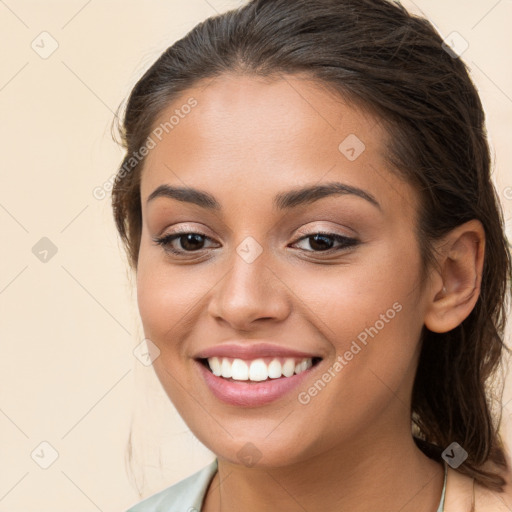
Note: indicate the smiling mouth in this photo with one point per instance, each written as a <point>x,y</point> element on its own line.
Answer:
<point>258,370</point>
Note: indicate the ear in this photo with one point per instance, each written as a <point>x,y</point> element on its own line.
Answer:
<point>455,286</point>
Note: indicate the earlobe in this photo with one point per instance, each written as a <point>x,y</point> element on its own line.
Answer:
<point>455,288</point>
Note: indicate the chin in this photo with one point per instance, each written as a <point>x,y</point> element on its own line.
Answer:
<point>255,447</point>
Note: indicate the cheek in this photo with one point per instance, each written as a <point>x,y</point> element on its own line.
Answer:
<point>167,299</point>
<point>370,314</point>
<point>371,321</point>
<point>167,296</point>
<point>162,306</point>
<point>348,299</point>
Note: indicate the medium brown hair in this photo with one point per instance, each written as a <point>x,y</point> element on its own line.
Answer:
<point>394,64</point>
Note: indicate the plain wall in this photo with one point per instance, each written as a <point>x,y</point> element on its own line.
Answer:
<point>69,323</point>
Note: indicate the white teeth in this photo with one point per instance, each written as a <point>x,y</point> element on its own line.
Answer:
<point>289,367</point>
<point>275,369</point>
<point>225,368</point>
<point>257,370</point>
<point>215,366</point>
<point>303,365</point>
<point>239,370</point>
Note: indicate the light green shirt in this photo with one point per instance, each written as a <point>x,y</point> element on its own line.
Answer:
<point>188,494</point>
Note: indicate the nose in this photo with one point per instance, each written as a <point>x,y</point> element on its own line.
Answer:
<point>250,293</point>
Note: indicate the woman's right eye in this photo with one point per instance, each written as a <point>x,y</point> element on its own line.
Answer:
<point>189,241</point>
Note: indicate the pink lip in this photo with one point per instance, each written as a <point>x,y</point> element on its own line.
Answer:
<point>251,351</point>
<point>250,394</point>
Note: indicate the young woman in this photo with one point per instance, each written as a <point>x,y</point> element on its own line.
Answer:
<point>306,201</point>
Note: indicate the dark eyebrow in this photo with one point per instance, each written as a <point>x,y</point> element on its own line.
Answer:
<point>313,193</point>
<point>282,201</point>
<point>186,195</point>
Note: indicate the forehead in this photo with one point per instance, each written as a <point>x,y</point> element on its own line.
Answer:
<point>245,132</point>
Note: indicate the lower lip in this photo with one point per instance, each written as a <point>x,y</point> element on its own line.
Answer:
<point>248,393</point>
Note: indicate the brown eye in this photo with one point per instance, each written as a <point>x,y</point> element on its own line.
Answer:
<point>323,242</point>
<point>188,242</point>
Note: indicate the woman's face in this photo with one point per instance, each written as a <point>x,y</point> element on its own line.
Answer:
<point>257,285</point>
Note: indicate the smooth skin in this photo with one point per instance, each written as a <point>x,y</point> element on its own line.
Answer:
<point>247,140</point>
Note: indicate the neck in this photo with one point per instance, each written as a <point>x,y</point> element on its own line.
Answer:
<point>392,475</point>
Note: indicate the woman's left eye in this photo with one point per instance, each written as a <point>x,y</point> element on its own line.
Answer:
<point>322,241</point>
<point>190,242</point>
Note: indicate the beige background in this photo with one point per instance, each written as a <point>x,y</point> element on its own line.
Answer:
<point>69,325</point>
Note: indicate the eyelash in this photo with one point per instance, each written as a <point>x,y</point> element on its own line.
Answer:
<point>166,240</point>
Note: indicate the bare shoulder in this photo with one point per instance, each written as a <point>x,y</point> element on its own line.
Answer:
<point>487,500</point>
<point>464,494</point>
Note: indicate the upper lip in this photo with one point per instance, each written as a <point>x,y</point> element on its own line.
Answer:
<point>252,351</point>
